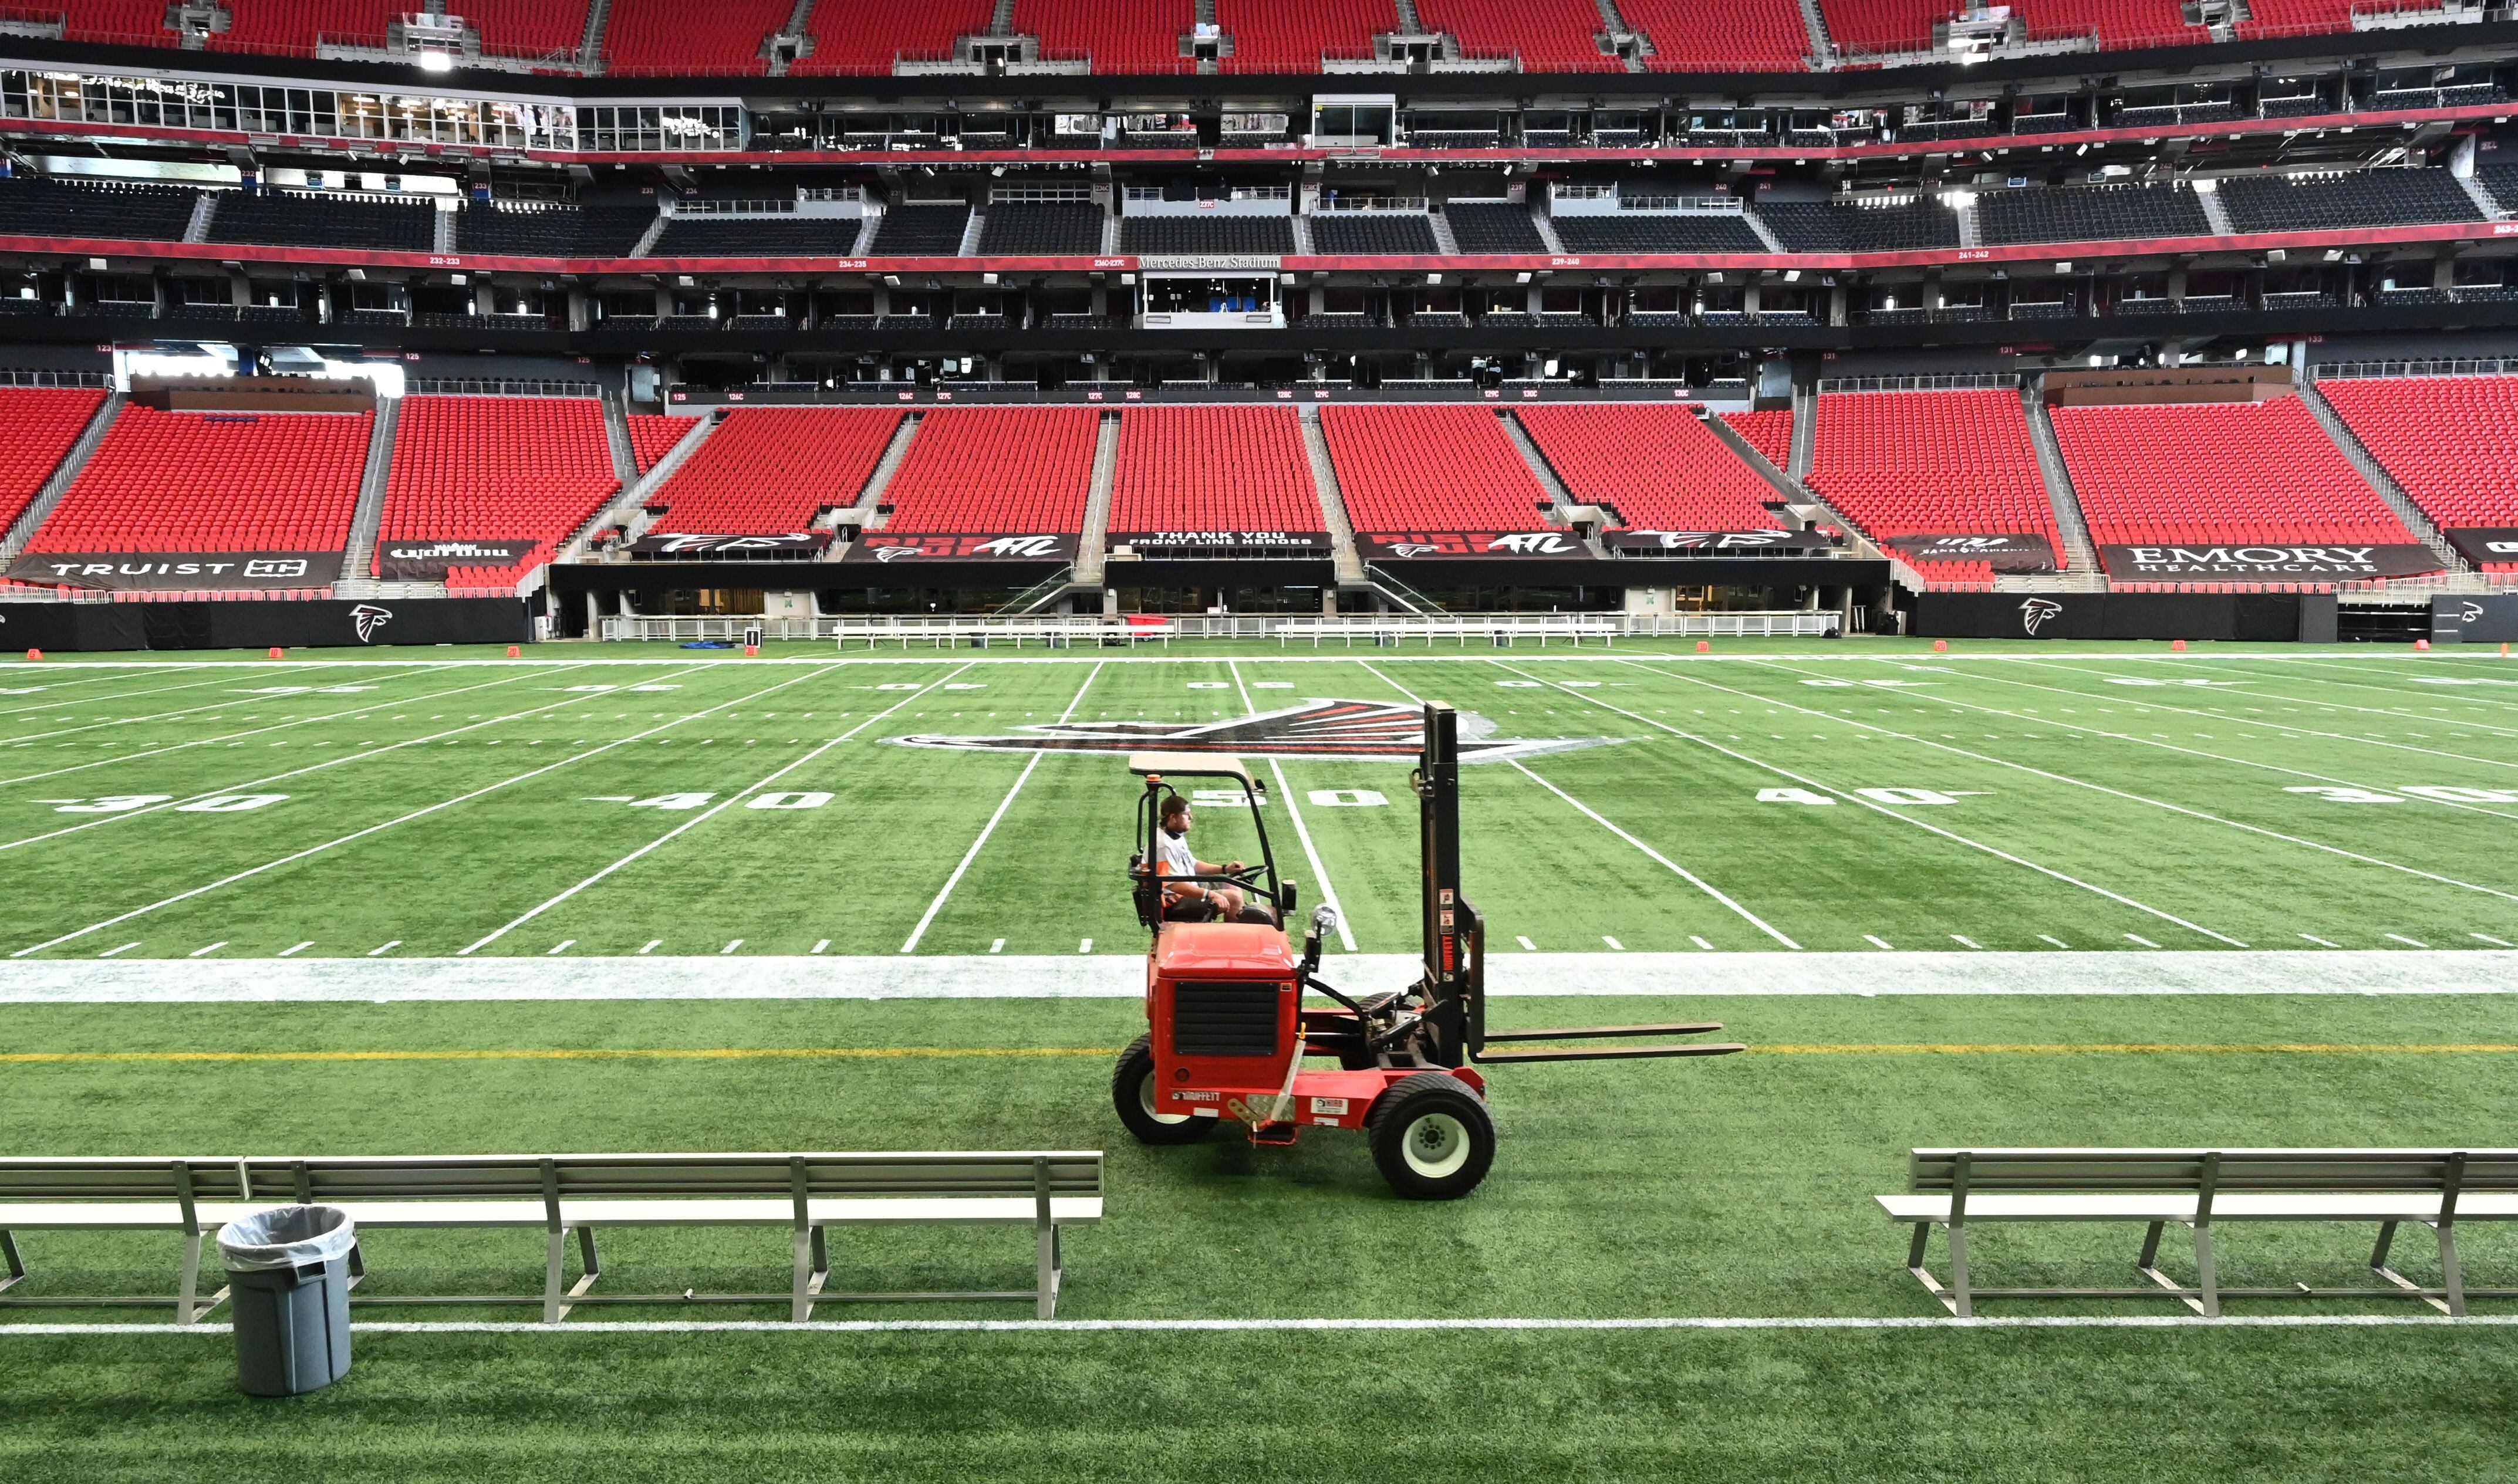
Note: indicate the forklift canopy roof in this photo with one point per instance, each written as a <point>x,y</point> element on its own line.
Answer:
<point>1191,765</point>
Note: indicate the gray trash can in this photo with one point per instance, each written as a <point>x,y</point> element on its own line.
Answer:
<point>288,1284</point>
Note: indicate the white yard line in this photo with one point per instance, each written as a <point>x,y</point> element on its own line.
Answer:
<point>1007,802</point>
<point>1332,1325</point>
<point>1681,872</point>
<point>1851,798</point>
<point>2077,783</point>
<point>405,819</point>
<point>704,816</point>
<point>1302,832</point>
<point>253,783</point>
<point>2497,671</point>
<point>16,672</point>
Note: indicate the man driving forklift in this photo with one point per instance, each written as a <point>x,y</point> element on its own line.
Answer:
<point>1187,899</point>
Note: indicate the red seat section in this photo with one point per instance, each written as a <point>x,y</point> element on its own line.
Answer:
<point>1770,433</point>
<point>860,38</point>
<point>652,436</point>
<point>768,471</point>
<point>1547,35</point>
<point>525,27</point>
<point>1747,35</point>
<point>2218,473</point>
<point>1431,467</point>
<point>2115,22</point>
<point>1656,465</point>
<point>670,36</point>
<point>37,430</point>
<point>1213,469</point>
<point>1931,463</point>
<point>293,26</point>
<point>1294,35</point>
<point>194,481</point>
<point>132,22</point>
<point>984,470</point>
<point>498,469</point>
<point>2294,18</point>
<point>1121,36</point>
<point>1884,26</point>
<point>2447,440</point>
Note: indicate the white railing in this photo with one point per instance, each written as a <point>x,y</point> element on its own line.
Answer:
<point>1979,381</point>
<point>2321,370</point>
<point>1064,631</point>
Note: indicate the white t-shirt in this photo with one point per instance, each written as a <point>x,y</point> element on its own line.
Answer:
<point>1173,851</point>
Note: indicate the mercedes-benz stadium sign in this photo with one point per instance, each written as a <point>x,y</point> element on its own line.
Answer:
<point>178,570</point>
<point>2201,562</point>
<point>429,561</point>
<point>2012,551</point>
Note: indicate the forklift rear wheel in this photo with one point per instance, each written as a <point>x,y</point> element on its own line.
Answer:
<point>1431,1136</point>
<point>1132,1093</point>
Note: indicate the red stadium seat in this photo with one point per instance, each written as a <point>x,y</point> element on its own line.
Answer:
<point>1654,463</point>
<point>497,468</point>
<point>652,436</point>
<point>36,431</point>
<point>1431,467</point>
<point>769,471</point>
<point>996,470</point>
<point>1931,463</point>
<point>1213,469</point>
<point>2446,439</point>
<point>199,482</point>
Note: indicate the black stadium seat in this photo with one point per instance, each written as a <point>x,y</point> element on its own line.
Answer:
<point>36,207</point>
<point>923,229</point>
<point>1207,234</point>
<point>714,236</point>
<point>1646,232</point>
<point>1844,227</point>
<point>1499,227</point>
<point>1041,229</point>
<point>2091,214</point>
<point>1393,233</point>
<point>302,219</point>
<point>2366,198</point>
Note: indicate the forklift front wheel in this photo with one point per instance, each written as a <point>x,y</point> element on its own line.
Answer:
<point>1431,1136</point>
<point>1132,1093</point>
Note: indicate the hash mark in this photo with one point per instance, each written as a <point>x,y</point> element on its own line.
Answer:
<point>559,948</point>
<point>997,947</point>
<point>730,947</point>
<point>2138,938</point>
<point>1613,943</point>
<point>212,949</point>
<point>378,952</point>
<point>2058,942</point>
<point>288,951</point>
<point>822,945</point>
<point>2320,942</point>
<point>653,945</point>
<point>1085,946</point>
<point>1526,944</point>
<point>1878,941</point>
<point>2414,942</point>
<point>126,947</point>
<point>1700,943</point>
<point>2487,938</point>
<point>1966,941</point>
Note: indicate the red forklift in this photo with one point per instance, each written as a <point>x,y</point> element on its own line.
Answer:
<point>1230,1037</point>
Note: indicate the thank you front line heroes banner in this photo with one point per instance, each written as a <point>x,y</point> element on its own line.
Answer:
<point>178,572</point>
<point>2266,563</point>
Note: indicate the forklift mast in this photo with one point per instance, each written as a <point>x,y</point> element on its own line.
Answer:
<point>1454,935</point>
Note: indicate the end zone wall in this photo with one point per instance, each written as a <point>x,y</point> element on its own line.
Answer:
<point>315,624</point>
<point>2251,617</point>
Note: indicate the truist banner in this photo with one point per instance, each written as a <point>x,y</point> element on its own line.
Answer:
<point>1224,543</point>
<point>799,545</point>
<point>179,572</point>
<point>2482,544</point>
<point>1718,543</point>
<point>2266,564</point>
<point>888,549</point>
<point>430,560</point>
<point>2009,552</point>
<point>1420,545</point>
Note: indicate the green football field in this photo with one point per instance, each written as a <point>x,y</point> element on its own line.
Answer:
<point>172,833</point>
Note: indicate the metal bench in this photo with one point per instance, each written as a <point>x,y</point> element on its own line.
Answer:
<point>558,1194</point>
<point>1955,1189</point>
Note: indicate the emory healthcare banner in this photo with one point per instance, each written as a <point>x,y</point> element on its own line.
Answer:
<point>178,572</point>
<point>1717,544</point>
<point>2266,564</point>
<point>885,547</point>
<point>1415,545</point>
<point>2008,552</point>
<point>2482,544</point>
<point>430,560</point>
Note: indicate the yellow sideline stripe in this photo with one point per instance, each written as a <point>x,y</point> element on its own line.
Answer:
<point>886,1053</point>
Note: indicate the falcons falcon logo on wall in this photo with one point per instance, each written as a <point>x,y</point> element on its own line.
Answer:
<point>1342,730</point>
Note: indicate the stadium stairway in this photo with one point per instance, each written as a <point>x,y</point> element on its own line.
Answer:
<point>1342,553</point>
<point>2082,559</point>
<point>629,505</point>
<point>862,514</point>
<point>2415,521</point>
<point>40,509</point>
<point>358,555</point>
<point>1561,497</point>
<point>616,432</point>
<point>1092,548</point>
<point>1796,493</point>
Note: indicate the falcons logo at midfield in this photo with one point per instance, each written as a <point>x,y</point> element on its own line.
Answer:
<point>1341,731</point>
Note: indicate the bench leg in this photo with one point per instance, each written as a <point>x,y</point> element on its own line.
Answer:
<point>2207,1275</point>
<point>812,1271</point>
<point>1962,1301</point>
<point>2378,1265</point>
<point>1049,1272</point>
<point>16,1264</point>
<point>2451,1278</point>
<point>1915,1252</point>
<point>183,1293</point>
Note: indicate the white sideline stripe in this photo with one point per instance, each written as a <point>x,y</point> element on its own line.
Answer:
<point>2131,798</point>
<point>128,721</point>
<point>1118,975</point>
<point>1876,808</point>
<point>420,813</point>
<point>1990,652</point>
<point>1320,1325</point>
<point>926,917</point>
<point>56,702</point>
<point>704,815</point>
<point>1302,832</point>
<point>2500,728</point>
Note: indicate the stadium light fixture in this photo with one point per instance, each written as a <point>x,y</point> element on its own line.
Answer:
<point>436,62</point>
